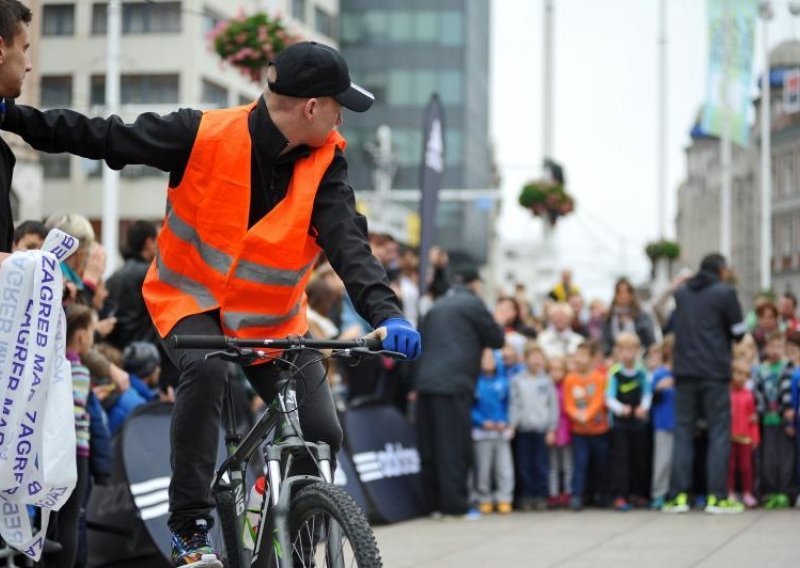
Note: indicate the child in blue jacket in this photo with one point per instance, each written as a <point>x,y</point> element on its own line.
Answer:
<point>491,435</point>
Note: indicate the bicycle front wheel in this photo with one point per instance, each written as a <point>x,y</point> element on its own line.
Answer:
<point>327,528</point>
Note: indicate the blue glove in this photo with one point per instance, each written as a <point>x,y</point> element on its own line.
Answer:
<point>402,337</point>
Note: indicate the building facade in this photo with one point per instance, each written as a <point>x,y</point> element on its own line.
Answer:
<point>404,51</point>
<point>166,63</point>
<point>698,195</point>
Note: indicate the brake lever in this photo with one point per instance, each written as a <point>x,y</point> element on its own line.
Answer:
<point>360,353</point>
<point>241,355</point>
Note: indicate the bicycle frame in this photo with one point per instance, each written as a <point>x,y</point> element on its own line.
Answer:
<point>282,416</point>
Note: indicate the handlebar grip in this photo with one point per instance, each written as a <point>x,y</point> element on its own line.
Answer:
<point>199,341</point>
<point>373,343</point>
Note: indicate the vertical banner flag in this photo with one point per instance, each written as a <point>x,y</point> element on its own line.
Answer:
<point>430,181</point>
<point>791,91</point>
<point>731,28</point>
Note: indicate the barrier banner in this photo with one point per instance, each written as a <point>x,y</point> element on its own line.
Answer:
<point>37,421</point>
<point>383,449</point>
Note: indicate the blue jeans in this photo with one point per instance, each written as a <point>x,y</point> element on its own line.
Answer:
<point>533,463</point>
<point>590,451</point>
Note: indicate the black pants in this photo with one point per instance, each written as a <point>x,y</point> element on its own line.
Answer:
<point>629,457</point>
<point>777,460</point>
<point>696,397</point>
<point>444,424</point>
<point>65,527</point>
<point>195,427</point>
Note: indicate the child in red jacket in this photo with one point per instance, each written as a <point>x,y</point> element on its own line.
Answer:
<point>744,434</point>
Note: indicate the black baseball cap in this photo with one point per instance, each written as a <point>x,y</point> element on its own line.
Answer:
<point>311,69</point>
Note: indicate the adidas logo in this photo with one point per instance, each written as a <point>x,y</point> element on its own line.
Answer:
<point>151,497</point>
<point>393,461</point>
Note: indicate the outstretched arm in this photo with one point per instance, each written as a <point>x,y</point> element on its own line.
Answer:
<point>163,142</point>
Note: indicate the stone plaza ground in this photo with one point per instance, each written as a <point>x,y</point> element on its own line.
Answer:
<point>597,539</point>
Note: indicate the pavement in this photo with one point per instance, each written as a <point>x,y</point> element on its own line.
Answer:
<point>597,539</point>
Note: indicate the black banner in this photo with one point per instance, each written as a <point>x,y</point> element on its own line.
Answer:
<point>383,449</point>
<point>431,174</point>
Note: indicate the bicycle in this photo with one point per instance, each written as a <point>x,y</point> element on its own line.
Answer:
<point>301,511</point>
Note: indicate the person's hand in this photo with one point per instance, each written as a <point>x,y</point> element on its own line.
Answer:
<point>550,438</point>
<point>401,336</point>
<point>102,391</point>
<point>411,396</point>
<point>120,378</point>
<point>582,416</point>
<point>640,413</point>
<point>626,410</point>
<point>790,431</point>
<point>788,415</point>
<point>95,264</point>
<point>489,425</point>
<point>168,396</point>
<point>105,326</point>
<point>666,384</point>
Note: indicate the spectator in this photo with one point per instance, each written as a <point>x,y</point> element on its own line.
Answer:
<point>625,315</point>
<point>584,402</point>
<point>321,299</point>
<point>787,307</point>
<point>84,269</point>
<point>768,318</point>
<point>561,463</point>
<point>580,321</point>
<point>558,340</point>
<point>707,319</point>
<point>562,290</point>
<point>744,435</point>
<point>793,353</point>
<point>507,313</point>
<point>598,312</point>
<point>29,235</point>
<point>143,362</point>
<point>534,418</point>
<point>629,397</point>
<point>494,466</point>
<point>773,391</point>
<point>439,279</point>
<point>409,283</point>
<point>125,287</point>
<point>662,415</point>
<point>455,331</point>
<point>80,339</point>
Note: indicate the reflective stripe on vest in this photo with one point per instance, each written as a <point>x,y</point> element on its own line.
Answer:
<point>202,295</point>
<point>213,257</point>
<point>247,270</point>
<point>238,321</point>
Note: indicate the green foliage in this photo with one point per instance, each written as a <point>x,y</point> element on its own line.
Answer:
<point>663,249</point>
<point>546,199</point>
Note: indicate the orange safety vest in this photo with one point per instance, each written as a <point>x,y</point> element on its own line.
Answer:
<point>207,257</point>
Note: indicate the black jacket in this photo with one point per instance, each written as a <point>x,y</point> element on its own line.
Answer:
<point>454,332</point>
<point>7,161</point>
<point>165,142</point>
<point>707,320</point>
<point>126,300</point>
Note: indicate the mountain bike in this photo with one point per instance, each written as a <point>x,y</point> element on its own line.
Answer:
<point>304,520</point>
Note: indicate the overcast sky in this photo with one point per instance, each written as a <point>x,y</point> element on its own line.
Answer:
<point>605,117</point>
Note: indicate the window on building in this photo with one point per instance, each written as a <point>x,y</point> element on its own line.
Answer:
<point>299,10</point>
<point>141,17</point>
<point>453,146</point>
<point>375,26</point>
<point>137,89</point>
<point>210,20</point>
<point>451,28</point>
<point>56,91</point>
<point>58,19</point>
<point>324,22</point>
<point>214,95</point>
<point>401,26</point>
<point>55,166</point>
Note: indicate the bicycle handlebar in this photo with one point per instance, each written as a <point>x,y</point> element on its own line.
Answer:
<point>223,342</point>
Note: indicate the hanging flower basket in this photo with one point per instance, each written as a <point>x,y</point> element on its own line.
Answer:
<point>663,249</point>
<point>547,199</point>
<point>249,43</point>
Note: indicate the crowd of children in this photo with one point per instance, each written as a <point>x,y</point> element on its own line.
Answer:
<point>589,430</point>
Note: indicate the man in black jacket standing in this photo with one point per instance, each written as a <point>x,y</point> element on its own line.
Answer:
<point>455,331</point>
<point>707,320</point>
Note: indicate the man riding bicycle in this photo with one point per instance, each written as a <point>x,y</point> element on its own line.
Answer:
<point>255,193</point>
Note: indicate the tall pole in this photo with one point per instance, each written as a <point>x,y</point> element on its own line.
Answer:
<point>548,79</point>
<point>725,143</point>
<point>766,156</point>
<point>111,177</point>
<point>662,120</point>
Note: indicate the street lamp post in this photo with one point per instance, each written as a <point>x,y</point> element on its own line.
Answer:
<point>111,177</point>
<point>765,10</point>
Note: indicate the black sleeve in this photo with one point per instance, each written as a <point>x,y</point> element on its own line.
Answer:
<point>492,335</point>
<point>342,233</point>
<point>733,315</point>
<point>163,142</point>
